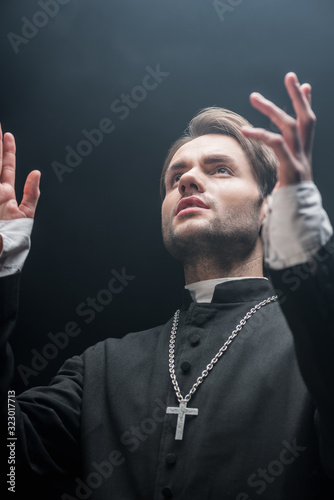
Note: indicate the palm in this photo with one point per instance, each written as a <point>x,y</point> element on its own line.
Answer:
<point>9,208</point>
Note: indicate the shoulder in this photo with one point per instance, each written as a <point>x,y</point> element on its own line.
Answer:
<point>133,342</point>
<point>306,291</point>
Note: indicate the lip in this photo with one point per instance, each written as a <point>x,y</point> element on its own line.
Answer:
<point>190,204</point>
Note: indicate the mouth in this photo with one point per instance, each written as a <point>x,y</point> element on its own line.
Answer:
<point>191,204</point>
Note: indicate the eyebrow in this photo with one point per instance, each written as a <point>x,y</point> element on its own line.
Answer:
<point>208,160</point>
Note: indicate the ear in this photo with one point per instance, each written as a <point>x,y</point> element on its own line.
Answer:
<point>264,210</point>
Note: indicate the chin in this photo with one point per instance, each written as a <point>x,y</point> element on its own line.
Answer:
<point>181,241</point>
<point>189,221</point>
<point>193,229</point>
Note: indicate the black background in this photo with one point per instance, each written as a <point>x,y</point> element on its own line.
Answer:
<point>105,214</point>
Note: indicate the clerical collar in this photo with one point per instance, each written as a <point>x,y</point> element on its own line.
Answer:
<point>202,291</point>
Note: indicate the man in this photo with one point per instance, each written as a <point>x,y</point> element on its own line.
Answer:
<point>224,401</point>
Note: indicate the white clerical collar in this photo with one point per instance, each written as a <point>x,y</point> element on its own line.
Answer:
<point>202,291</point>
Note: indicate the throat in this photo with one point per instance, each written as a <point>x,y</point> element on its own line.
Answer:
<point>208,269</point>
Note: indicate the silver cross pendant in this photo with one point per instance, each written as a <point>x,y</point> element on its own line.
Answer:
<point>181,413</point>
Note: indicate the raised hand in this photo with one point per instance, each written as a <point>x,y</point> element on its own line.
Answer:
<point>293,147</point>
<point>9,208</point>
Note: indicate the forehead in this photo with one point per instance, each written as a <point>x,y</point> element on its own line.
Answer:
<point>210,145</point>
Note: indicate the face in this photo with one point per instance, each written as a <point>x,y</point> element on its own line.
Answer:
<point>212,201</point>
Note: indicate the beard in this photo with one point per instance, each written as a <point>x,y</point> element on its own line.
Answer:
<point>227,239</point>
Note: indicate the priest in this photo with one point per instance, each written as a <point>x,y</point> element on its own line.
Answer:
<point>231,398</point>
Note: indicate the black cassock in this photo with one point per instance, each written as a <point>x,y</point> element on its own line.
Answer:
<point>265,423</point>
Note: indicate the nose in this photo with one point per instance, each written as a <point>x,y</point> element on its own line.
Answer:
<point>190,182</point>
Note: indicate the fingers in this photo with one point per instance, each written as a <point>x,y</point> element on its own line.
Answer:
<point>293,147</point>
<point>290,170</point>
<point>299,133</point>
<point>286,124</point>
<point>8,157</point>
<point>300,96</point>
<point>307,90</point>
<point>31,194</point>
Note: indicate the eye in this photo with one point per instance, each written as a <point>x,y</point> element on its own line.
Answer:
<point>222,170</point>
<point>175,179</point>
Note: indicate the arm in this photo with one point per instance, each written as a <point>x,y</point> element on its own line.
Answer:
<point>46,419</point>
<point>11,211</point>
<point>300,255</point>
<point>307,301</point>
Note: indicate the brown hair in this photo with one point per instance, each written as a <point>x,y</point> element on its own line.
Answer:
<point>216,120</point>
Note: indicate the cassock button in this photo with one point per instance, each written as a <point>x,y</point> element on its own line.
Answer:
<point>200,318</point>
<point>185,366</point>
<point>166,492</point>
<point>194,339</point>
<point>170,459</point>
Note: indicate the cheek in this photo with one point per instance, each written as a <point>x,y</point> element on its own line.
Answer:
<point>165,210</point>
<point>237,192</point>
<point>238,203</point>
<point>168,205</point>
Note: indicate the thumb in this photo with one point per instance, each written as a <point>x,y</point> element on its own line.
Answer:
<point>31,194</point>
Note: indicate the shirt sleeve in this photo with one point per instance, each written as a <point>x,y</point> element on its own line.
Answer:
<point>16,244</point>
<point>296,226</point>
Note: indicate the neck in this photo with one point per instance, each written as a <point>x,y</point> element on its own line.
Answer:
<point>211,267</point>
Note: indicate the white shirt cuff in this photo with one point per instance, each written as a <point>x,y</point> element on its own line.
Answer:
<point>296,226</point>
<point>16,244</point>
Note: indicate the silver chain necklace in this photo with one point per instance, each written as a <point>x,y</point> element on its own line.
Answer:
<point>181,411</point>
